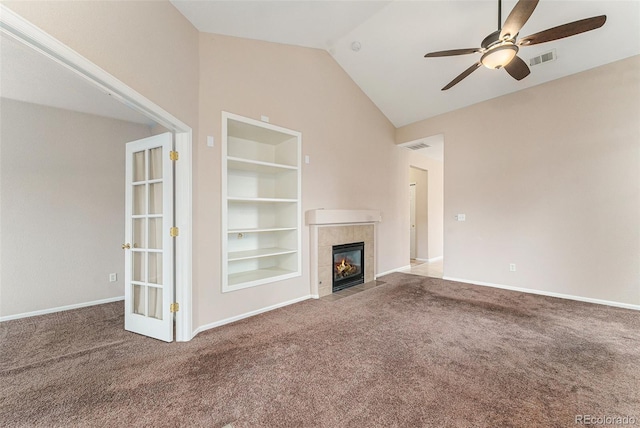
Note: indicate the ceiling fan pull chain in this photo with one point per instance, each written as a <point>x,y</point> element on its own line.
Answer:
<point>499,15</point>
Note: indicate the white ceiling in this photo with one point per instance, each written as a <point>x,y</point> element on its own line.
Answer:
<point>29,76</point>
<point>394,37</point>
<point>389,67</point>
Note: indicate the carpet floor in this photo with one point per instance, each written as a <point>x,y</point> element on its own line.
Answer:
<point>413,352</point>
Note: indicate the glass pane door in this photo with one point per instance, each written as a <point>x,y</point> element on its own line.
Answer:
<point>149,259</point>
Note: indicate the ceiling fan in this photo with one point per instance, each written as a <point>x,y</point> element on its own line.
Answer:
<point>499,49</point>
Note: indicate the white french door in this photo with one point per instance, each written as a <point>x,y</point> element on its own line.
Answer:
<point>149,255</point>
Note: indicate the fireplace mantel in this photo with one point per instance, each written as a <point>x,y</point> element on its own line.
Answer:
<point>322,216</point>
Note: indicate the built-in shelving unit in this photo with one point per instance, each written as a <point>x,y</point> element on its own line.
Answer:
<point>261,210</point>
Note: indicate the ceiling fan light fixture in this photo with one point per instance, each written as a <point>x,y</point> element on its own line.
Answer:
<point>499,56</point>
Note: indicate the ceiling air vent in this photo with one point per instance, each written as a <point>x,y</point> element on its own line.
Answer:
<point>415,145</point>
<point>545,57</point>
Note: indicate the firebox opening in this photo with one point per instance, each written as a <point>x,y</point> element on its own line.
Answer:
<point>348,265</point>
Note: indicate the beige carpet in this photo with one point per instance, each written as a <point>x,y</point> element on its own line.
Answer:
<point>412,352</point>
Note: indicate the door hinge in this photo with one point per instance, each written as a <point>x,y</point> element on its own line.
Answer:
<point>174,307</point>
<point>174,156</point>
<point>174,231</point>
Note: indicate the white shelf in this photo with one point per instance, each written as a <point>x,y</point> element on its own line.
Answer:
<point>261,230</point>
<point>256,277</point>
<point>261,173</point>
<point>237,199</point>
<point>241,164</point>
<point>261,252</point>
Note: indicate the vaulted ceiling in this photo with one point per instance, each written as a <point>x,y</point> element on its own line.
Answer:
<point>389,66</point>
<point>393,37</point>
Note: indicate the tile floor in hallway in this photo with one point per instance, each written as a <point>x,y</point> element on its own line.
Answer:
<point>432,269</point>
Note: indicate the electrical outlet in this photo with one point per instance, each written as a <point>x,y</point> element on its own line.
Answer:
<point>113,277</point>
<point>512,267</point>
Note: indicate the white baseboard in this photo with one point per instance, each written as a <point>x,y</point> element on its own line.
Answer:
<point>549,294</point>
<point>60,309</point>
<point>400,269</point>
<point>431,260</point>
<point>249,314</point>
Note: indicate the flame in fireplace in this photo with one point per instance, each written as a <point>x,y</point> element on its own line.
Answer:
<point>344,268</point>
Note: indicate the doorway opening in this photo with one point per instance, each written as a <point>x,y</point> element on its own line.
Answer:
<point>425,207</point>
<point>31,36</point>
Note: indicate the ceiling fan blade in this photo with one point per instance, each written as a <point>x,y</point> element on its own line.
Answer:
<point>517,68</point>
<point>452,52</point>
<point>517,18</point>
<point>464,74</point>
<point>562,31</point>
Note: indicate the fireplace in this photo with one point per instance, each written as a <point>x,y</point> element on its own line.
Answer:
<point>348,265</point>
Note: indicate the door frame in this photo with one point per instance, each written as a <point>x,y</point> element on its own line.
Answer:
<point>413,230</point>
<point>22,30</point>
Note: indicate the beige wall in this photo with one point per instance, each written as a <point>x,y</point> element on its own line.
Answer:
<point>555,188</point>
<point>354,163</point>
<point>62,205</point>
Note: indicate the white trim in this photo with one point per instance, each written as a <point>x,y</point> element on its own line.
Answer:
<point>183,220</point>
<point>61,308</point>
<point>331,217</point>
<point>250,314</point>
<point>548,293</point>
<point>22,30</point>
<point>400,269</point>
<point>434,259</point>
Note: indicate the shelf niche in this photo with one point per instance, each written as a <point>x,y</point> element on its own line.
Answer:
<point>261,210</point>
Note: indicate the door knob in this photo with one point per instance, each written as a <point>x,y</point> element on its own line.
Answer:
<point>126,246</point>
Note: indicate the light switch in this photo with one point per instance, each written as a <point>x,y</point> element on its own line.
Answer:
<point>210,141</point>
<point>306,159</point>
<point>461,217</point>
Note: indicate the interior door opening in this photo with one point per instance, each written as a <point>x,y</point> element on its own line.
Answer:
<point>38,40</point>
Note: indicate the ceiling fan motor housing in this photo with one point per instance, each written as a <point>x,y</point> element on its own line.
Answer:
<point>497,52</point>
<point>494,38</point>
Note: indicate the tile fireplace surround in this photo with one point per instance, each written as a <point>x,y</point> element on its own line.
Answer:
<point>337,227</point>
